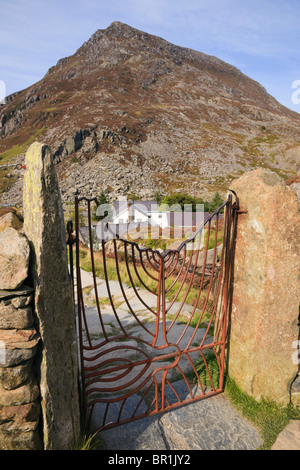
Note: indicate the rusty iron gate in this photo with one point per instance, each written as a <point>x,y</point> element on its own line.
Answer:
<point>152,325</point>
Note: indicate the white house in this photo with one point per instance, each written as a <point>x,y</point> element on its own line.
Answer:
<point>125,211</point>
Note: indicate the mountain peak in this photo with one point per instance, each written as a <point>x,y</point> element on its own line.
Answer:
<point>133,112</point>
<point>119,30</point>
<point>118,26</point>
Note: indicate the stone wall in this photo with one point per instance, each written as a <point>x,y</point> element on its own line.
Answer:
<point>266,287</point>
<point>19,340</point>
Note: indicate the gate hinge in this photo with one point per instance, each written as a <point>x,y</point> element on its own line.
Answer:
<point>71,239</point>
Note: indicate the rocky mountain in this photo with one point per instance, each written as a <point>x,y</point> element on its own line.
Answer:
<point>131,113</point>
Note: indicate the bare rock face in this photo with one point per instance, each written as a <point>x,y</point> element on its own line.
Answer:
<point>54,306</point>
<point>266,289</point>
<point>14,258</point>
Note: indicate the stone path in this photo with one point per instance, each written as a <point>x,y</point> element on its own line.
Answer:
<point>209,424</point>
<point>289,438</point>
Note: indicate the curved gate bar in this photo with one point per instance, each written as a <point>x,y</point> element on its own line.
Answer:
<point>184,279</point>
<point>191,280</point>
<point>144,267</point>
<point>217,296</point>
<point>181,285</point>
<point>93,267</point>
<point>179,272</point>
<point>209,287</point>
<point>109,291</point>
<point>132,282</point>
<point>175,261</point>
<point>138,275</point>
<point>127,301</point>
<point>129,272</point>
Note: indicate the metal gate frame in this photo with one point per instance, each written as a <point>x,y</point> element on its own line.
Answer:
<point>102,369</point>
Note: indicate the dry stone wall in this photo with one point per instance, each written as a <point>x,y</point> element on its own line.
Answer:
<point>19,341</point>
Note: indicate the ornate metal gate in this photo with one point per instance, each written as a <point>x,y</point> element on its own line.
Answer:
<point>152,325</point>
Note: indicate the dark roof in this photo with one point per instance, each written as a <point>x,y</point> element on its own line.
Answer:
<point>146,206</point>
<point>141,206</point>
<point>119,206</point>
<point>84,234</point>
<point>187,219</point>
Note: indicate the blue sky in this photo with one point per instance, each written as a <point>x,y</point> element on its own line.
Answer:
<point>261,38</point>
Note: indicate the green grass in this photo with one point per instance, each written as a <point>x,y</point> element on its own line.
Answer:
<point>213,368</point>
<point>212,238</point>
<point>89,442</point>
<point>21,148</point>
<point>267,416</point>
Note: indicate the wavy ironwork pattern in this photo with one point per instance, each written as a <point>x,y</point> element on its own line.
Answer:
<point>154,336</point>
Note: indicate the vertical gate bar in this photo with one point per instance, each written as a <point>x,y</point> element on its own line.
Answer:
<point>191,279</point>
<point>71,263</point>
<point>93,270</point>
<point>158,302</point>
<point>199,293</point>
<point>209,287</point>
<point>226,288</point>
<point>78,281</point>
<point>220,290</point>
<point>187,268</point>
<point>79,285</point>
<point>163,300</point>
<point>179,272</point>
<point>70,242</point>
<point>108,289</point>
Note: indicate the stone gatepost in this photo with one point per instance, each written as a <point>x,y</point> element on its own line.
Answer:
<point>266,288</point>
<point>53,300</point>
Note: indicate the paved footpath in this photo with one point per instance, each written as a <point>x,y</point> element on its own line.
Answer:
<point>210,424</point>
<point>289,438</point>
